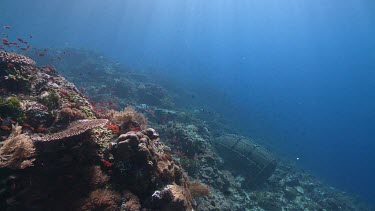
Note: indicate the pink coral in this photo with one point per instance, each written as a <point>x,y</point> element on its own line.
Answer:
<point>14,58</point>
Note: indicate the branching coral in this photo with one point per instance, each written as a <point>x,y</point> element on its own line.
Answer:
<point>75,128</point>
<point>18,151</point>
<point>129,118</point>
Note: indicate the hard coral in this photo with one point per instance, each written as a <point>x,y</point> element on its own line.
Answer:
<point>174,197</point>
<point>37,114</point>
<point>139,157</point>
<point>71,114</point>
<point>50,99</point>
<point>14,58</point>
<point>75,128</point>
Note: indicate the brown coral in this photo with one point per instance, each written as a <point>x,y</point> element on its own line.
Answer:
<point>175,197</point>
<point>18,151</point>
<point>101,199</point>
<point>198,189</point>
<point>75,128</point>
<point>97,177</point>
<point>131,202</point>
<point>129,118</point>
<point>16,59</point>
<point>69,114</point>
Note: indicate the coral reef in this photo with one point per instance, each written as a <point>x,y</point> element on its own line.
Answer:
<point>173,197</point>
<point>14,58</point>
<point>82,150</point>
<point>63,153</point>
<point>15,71</point>
<point>139,156</point>
<point>128,119</point>
<point>109,84</point>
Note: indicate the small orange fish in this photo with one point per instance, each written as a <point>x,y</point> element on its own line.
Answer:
<point>106,163</point>
<point>12,121</point>
<point>5,41</point>
<point>134,128</point>
<point>42,129</point>
<point>26,125</point>
<point>21,40</point>
<point>4,127</point>
<point>4,137</point>
<point>1,119</point>
<point>114,128</point>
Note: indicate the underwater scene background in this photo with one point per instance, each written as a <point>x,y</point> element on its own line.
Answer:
<point>298,77</point>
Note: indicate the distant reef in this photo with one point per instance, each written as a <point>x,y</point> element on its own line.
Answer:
<point>114,139</point>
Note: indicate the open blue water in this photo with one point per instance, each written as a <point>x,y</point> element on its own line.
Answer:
<point>298,75</point>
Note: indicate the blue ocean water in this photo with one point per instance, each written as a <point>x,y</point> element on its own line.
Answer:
<point>297,75</point>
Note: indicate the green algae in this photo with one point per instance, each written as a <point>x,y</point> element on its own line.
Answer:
<point>51,100</point>
<point>10,106</point>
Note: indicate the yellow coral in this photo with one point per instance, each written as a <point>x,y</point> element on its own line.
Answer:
<point>18,151</point>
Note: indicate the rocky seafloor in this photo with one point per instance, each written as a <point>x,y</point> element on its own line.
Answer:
<point>85,134</point>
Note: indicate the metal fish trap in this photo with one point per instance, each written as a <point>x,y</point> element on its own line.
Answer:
<point>247,157</point>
